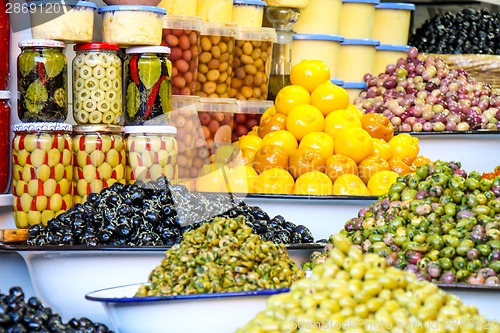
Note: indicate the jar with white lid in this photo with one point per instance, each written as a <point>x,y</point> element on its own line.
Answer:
<point>151,153</point>
<point>353,89</point>
<point>179,7</point>
<point>320,17</point>
<point>356,58</point>
<point>97,84</point>
<point>220,11</point>
<point>391,24</point>
<point>132,25</point>
<point>248,13</point>
<point>147,80</point>
<point>356,18</point>
<point>42,81</point>
<point>386,54</point>
<point>5,141</point>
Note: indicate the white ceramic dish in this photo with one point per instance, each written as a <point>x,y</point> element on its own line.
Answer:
<point>207,313</point>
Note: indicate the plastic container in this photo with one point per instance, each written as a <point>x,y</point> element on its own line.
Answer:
<point>320,17</point>
<point>147,82</point>
<point>97,84</point>
<point>356,58</point>
<point>182,35</point>
<point>248,13</point>
<point>215,64</point>
<point>151,153</point>
<point>300,4</point>
<point>391,24</point>
<point>179,7</point>
<point>337,82</point>
<point>42,81</point>
<point>5,141</point>
<point>132,25</point>
<point>220,11</point>
<point>99,159</point>
<point>317,46</point>
<point>5,42</point>
<point>71,21</point>
<point>356,18</point>
<point>388,54</point>
<point>248,116</point>
<point>42,172</point>
<point>252,63</point>
<point>353,89</point>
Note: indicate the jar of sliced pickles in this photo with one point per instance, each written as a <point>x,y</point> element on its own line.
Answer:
<point>42,81</point>
<point>151,153</point>
<point>42,172</point>
<point>97,84</point>
<point>99,159</point>
<point>147,82</point>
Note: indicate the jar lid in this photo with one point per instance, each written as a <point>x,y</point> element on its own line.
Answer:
<point>182,22</point>
<point>337,82</point>
<point>41,42</point>
<point>220,29</point>
<point>113,8</point>
<point>96,46</point>
<point>149,49</point>
<point>361,1</point>
<point>150,129</point>
<point>333,38</point>
<point>71,3</point>
<point>97,128</point>
<point>354,85</point>
<point>5,94</point>
<point>395,5</point>
<point>249,2</point>
<point>391,47</point>
<point>353,41</point>
<point>33,127</point>
<point>209,104</point>
<point>253,107</point>
<point>263,34</point>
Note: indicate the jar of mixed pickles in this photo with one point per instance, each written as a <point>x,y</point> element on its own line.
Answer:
<point>4,140</point>
<point>99,159</point>
<point>147,82</point>
<point>151,153</point>
<point>42,81</point>
<point>42,172</point>
<point>97,84</point>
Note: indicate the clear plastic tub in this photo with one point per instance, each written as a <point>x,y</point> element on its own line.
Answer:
<point>356,58</point>
<point>356,18</point>
<point>353,89</point>
<point>251,63</point>
<point>132,25</point>
<point>388,54</point>
<point>179,7</point>
<point>248,116</point>
<point>320,17</point>
<point>70,21</point>
<point>391,24</point>
<point>220,11</point>
<point>317,46</point>
<point>248,13</point>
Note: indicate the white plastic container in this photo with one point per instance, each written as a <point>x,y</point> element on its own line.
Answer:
<point>179,7</point>
<point>132,25</point>
<point>215,10</point>
<point>391,24</point>
<point>356,18</point>
<point>356,58</point>
<point>69,21</point>
<point>320,17</point>
<point>317,46</point>
<point>248,13</point>
<point>353,89</point>
<point>388,54</point>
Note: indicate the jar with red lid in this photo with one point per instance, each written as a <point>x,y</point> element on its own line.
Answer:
<point>97,84</point>
<point>42,81</point>
<point>5,42</point>
<point>4,140</point>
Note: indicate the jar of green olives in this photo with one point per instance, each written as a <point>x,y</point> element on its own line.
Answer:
<point>42,81</point>
<point>99,159</point>
<point>97,84</point>
<point>147,82</point>
<point>42,172</point>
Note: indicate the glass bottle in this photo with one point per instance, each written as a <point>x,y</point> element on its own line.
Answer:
<point>4,140</point>
<point>5,42</point>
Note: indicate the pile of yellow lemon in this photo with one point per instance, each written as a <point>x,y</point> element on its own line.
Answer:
<point>313,142</point>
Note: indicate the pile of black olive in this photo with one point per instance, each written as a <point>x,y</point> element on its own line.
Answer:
<point>20,316</point>
<point>156,213</point>
<point>467,32</point>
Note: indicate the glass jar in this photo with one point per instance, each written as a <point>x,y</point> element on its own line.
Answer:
<point>151,153</point>
<point>42,172</point>
<point>147,82</point>
<point>97,84</point>
<point>42,81</point>
<point>4,140</point>
<point>99,159</point>
<point>5,42</point>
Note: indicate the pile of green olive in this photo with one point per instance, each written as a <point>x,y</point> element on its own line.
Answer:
<point>222,256</point>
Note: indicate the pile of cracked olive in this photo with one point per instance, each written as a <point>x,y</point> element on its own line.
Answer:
<point>155,213</point>
<point>356,292</point>
<point>440,223</point>
<point>420,93</point>
<point>18,315</point>
<point>222,256</point>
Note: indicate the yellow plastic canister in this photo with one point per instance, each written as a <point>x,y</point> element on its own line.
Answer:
<point>356,18</point>
<point>391,23</point>
<point>356,58</point>
<point>386,54</point>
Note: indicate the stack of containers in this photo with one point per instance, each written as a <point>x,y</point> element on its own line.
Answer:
<point>5,96</point>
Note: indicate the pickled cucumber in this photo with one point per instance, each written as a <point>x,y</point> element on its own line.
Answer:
<point>36,96</point>
<point>149,70</point>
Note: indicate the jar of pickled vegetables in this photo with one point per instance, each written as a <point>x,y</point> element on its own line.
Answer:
<point>151,153</point>
<point>99,159</point>
<point>4,140</point>
<point>42,81</point>
<point>147,82</point>
<point>42,172</point>
<point>97,84</point>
